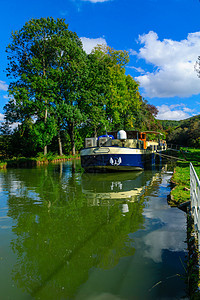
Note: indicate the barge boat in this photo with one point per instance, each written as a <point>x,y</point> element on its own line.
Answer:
<point>121,151</point>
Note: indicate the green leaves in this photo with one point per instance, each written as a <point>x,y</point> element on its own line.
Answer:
<point>62,89</point>
<point>42,133</point>
<point>48,65</point>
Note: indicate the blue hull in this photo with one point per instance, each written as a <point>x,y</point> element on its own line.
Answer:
<point>106,162</point>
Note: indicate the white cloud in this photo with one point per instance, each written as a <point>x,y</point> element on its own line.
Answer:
<point>2,117</point>
<point>189,110</point>
<point>13,125</point>
<point>89,44</point>
<point>64,13</point>
<point>133,52</point>
<point>170,233</point>
<point>173,112</point>
<point>3,86</point>
<point>174,61</point>
<point>95,1</point>
<point>140,70</point>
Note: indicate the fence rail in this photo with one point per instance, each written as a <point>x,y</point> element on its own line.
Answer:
<point>175,147</point>
<point>195,200</point>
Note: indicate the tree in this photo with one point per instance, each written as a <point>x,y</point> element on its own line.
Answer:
<point>45,61</point>
<point>96,87</point>
<point>69,76</point>
<point>114,96</point>
<point>132,103</point>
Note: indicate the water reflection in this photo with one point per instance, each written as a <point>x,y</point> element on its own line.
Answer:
<point>58,237</point>
<point>113,188</point>
<point>66,225</point>
<point>100,188</point>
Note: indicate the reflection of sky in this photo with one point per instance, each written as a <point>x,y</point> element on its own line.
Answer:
<point>5,221</point>
<point>168,224</point>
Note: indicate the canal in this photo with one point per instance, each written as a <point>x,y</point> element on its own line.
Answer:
<point>72,235</point>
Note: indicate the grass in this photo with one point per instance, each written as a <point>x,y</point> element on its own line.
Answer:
<point>181,176</point>
<point>3,165</point>
<point>33,161</point>
<point>51,157</point>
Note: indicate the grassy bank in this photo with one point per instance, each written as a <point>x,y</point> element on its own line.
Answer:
<point>181,177</point>
<point>19,162</point>
<point>180,194</point>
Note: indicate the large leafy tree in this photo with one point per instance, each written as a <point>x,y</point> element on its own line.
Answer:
<point>113,96</point>
<point>45,64</point>
<point>124,99</point>
<point>70,76</point>
<point>96,85</point>
<point>121,96</point>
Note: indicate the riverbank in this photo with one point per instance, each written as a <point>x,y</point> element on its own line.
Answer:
<point>21,162</point>
<point>179,196</point>
<point>181,177</point>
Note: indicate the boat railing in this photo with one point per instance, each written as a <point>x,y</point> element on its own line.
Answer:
<point>125,143</point>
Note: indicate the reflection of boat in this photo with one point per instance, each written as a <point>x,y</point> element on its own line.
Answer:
<point>114,186</point>
<point>120,151</point>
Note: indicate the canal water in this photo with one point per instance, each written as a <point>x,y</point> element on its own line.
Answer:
<point>72,235</point>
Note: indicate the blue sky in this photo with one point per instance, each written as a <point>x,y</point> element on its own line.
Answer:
<point>162,37</point>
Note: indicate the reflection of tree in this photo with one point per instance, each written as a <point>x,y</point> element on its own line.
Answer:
<point>59,238</point>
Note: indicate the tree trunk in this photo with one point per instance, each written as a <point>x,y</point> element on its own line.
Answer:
<point>45,150</point>
<point>45,120</point>
<point>95,132</point>
<point>60,144</point>
<point>46,112</point>
<point>73,147</point>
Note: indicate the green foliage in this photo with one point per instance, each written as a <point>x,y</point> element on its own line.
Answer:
<point>3,165</point>
<point>59,94</point>
<point>122,92</point>
<point>184,132</point>
<point>169,124</point>
<point>5,146</point>
<point>47,62</point>
<point>42,133</point>
<point>22,142</point>
<point>145,118</point>
<point>50,157</point>
<point>181,176</point>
